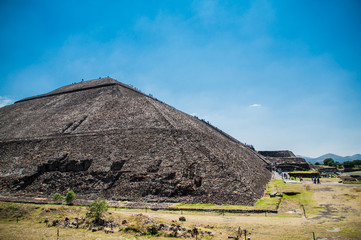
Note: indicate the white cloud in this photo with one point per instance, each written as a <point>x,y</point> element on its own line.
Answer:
<point>5,101</point>
<point>256,105</point>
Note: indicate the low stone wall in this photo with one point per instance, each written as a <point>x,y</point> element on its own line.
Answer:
<point>132,205</point>
<point>304,175</point>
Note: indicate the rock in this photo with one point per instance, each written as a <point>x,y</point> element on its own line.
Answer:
<point>183,219</point>
<point>230,236</point>
<point>171,234</point>
<point>46,220</point>
<point>162,226</point>
<point>273,194</point>
<point>100,222</point>
<point>94,229</point>
<point>124,222</point>
<point>152,230</point>
<point>195,231</point>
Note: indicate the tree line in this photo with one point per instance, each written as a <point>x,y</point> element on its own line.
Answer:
<point>347,164</point>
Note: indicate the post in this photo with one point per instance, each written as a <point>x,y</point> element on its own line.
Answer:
<point>239,233</point>
<point>314,238</point>
<point>57,234</point>
<point>304,211</point>
<point>245,234</point>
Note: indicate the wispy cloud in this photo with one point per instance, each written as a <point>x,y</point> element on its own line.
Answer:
<point>5,101</point>
<point>256,105</point>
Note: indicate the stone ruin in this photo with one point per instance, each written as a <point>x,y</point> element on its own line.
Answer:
<point>286,160</point>
<point>103,138</point>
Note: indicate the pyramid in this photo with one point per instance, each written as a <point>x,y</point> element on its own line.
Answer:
<point>103,138</point>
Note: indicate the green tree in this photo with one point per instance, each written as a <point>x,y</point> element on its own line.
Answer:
<point>328,162</point>
<point>58,198</point>
<point>357,162</point>
<point>351,164</point>
<point>97,208</point>
<point>70,197</point>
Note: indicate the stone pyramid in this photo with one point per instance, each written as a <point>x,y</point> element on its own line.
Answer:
<point>103,138</point>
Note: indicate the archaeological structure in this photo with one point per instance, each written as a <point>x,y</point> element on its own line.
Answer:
<point>103,138</point>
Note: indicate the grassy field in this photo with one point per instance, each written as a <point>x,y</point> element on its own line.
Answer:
<point>329,210</point>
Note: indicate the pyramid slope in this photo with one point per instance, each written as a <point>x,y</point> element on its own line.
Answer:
<point>102,137</point>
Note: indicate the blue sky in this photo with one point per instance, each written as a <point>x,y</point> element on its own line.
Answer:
<point>275,74</point>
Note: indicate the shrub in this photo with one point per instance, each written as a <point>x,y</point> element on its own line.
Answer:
<point>97,208</point>
<point>292,178</point>
<point>58,198</point>
<point>70,197</point>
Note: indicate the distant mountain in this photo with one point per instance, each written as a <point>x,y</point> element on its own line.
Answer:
<point>335,157</point>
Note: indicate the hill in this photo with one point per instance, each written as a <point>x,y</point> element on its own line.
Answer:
<point>335,157</point>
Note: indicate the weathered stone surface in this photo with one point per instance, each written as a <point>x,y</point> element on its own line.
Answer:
<point>104,138</point>
<point>286,160</point>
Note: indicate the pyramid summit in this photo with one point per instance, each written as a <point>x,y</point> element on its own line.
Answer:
<point>103,138</point>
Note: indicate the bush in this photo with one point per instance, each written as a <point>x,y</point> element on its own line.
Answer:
<point>70,197</point>
<point>58,198</point>
<point>292,178</point>
<point>97,208</point>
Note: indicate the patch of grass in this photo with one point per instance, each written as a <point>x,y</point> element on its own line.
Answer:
<point>13,210</point>
<point>209,206</point>
<point>275,185</point>
<point>351,182</point>
<point>309,171</point>
<point>268,203</point>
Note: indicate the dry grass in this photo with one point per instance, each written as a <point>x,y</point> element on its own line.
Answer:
<point>329,207</point>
